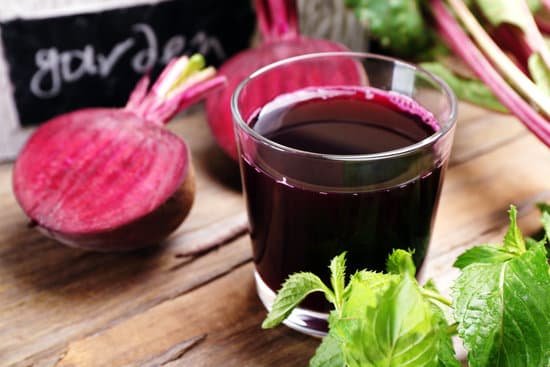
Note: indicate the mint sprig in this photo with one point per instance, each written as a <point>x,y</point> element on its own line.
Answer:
<point>294,290</point>
<point>501,304</point>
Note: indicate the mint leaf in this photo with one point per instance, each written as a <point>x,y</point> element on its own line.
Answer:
<point>363,290</point>
<point>293,291</point>
<point>545,217</point>
<point>470,90</point>
<point>513,240</point>
<point>484,254</point>
<point>397,329</point>
<point>503,311</point>
<point>446,353</point>
<point>401,262</point>
<point>328,354</point>
<point>531,242</point>
<point>338,278</point>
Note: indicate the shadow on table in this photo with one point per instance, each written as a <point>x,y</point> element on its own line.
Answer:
<point>35,263</point>
<point>219,167</point>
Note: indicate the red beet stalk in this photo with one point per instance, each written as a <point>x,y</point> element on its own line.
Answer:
<point>507,38</point>
<point>114,178</point>
<point>543,24</point>
<point>465,48</point>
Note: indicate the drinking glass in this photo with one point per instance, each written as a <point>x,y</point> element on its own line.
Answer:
<point>305,207</point>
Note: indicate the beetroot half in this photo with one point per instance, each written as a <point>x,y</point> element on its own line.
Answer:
<point>280,39</point>
<point>114,178</point>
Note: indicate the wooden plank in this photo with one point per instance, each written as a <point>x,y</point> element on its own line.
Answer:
<point>479,132</point>
<point>227,313</point>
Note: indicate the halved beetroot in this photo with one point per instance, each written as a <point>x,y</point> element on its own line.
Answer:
<point>114,178</point>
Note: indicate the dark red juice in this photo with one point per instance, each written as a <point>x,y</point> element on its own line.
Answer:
<point>297,226</point>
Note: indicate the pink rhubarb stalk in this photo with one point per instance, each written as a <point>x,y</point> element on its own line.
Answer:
<point>464,47</point>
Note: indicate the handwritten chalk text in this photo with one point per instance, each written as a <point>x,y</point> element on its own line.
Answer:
<point>57,67</point>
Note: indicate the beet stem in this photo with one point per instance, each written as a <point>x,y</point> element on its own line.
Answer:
<point>543,24</point>
<point>510,39</point>
<point>183,82</point>
<point>523,84</point>
<point>532,35</point>
<point>139,93</point>
<point>277,19</point>
<point>464,47</point>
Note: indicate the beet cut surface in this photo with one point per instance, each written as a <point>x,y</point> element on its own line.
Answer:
<point>114,178</point>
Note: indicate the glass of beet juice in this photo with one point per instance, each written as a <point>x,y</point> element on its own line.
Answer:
<point>339,152</point>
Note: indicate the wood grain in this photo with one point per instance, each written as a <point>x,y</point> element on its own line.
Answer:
<point>164,307</point>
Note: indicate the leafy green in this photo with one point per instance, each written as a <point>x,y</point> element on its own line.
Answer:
<point>488,254</point>
<point>387,321</point>
<point>364,289</point>
<point>397,331</point>
<point>471,90</point>
<point>338,278</point>
<point>328,354</point>
<point>398,25</point>
<point>539,71</point>
<point>501,302</point>
<point>545,218</point>
<point>513,239</point>
<point>400,262</point>
<point>293,291</point>
<point>531,242</point>
<point>446,354</point>
<point>503,311</point>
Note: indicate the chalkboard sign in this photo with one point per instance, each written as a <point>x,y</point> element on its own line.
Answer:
<point>57,63</point>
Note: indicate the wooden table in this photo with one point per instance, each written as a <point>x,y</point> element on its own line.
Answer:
<point>157,307</point>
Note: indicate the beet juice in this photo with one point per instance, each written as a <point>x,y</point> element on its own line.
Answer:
<point>300,226</point>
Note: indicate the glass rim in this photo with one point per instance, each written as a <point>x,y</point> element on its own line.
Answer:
<point>445,126</point>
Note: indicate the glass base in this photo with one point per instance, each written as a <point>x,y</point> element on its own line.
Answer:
<point>305,321</point>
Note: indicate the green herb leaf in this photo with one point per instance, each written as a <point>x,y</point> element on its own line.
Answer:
<point>503,311</point>
<point>293,291</point>
<point>398,25</point>
<point>446,354</point>
<point>328,354</point>
<point>338,278</point>
<point>545,217</point>
<point>397,329</point>
<point>531,242</point>
<point>401,262</point>
<point>484,254</point>
<point>539,72</point>
<point>471,90</point>
<point>513,240</point>
<point>363,290</point>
